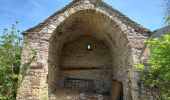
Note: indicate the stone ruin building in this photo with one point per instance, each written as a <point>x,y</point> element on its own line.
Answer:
<point>83,48</point>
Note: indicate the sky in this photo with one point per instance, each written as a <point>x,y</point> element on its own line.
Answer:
<point>148,13</point>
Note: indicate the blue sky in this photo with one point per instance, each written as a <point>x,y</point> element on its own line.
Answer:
<point>148,13</point>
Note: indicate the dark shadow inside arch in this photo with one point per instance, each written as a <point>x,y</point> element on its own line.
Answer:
<point>87,52</point>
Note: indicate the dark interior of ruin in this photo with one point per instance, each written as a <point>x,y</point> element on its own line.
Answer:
<point>84,57</point>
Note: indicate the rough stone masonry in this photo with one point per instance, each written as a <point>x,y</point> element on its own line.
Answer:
<point>86,40</point>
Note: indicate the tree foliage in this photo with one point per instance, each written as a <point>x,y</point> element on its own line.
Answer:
<point>167,10</point>
<point>10,51</point>
<point>157,77</point>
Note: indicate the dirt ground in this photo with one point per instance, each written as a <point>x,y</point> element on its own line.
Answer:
<point>67,94</point>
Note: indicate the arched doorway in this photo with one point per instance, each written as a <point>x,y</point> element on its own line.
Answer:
<point>88,47</point>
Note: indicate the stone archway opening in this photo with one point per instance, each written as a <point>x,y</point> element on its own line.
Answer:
<point>87,52</point>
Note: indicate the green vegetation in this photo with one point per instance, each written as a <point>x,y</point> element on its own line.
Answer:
<point>11,75</point>
<point>168,20</point>
<point>157,77</point>
<point>10,51</point>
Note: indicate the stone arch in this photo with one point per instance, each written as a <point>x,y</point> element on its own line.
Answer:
<point>124,38</point>
<point>97,26</point>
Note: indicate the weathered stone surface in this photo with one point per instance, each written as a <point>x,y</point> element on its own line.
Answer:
<point>117,44</point>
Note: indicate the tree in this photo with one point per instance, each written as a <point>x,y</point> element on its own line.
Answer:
<point>157,77</point>
<point>10,51</point>
<point>167,11</point>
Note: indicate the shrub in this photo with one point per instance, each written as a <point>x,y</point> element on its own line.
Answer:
<point>157,77</point>
<point>10,51</point>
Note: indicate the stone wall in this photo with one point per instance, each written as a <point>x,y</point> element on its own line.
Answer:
<point>123,37</point>
<point>91,64</point>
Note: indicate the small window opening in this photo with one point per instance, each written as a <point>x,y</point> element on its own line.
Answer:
<point>88,47</point>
